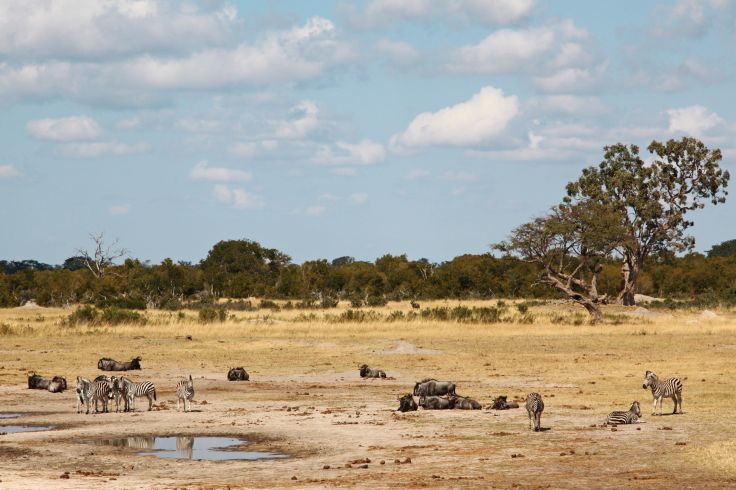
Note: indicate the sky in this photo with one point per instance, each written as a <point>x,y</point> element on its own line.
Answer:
<point>332,128</point>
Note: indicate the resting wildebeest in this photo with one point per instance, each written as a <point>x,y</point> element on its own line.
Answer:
<point>435,403</point>
<point>57,384</point>
<point>465,403</point>
<point>237,374</point>
<point>366,372</point>
<point>500,403</point>
<point>407,403</point>
<point>107,364</point>
<point>432,387</point>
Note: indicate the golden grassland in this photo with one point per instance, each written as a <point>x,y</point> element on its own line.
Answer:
<point>581,368</point>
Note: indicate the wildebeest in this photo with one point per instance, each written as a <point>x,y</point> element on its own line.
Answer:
<point>500,403</point>
<point>436,403</point>
<point>407,403</point>
<point>237,374</point>
<point>465,403</point>
<point>107,364</point>
<point>432,387</point>
<point>366,372</point>
<point>57,384</point>
<point>414,304</point>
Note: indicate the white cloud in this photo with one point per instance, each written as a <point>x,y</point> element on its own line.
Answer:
<point>119,209</point>
<point>359,198</point>
<point>89,150</point>
<point>365,152</point>
<point>64,129</point>
<point>568,104</point>
<point>344,171</point>
<point>399,53</point>
<point>687,18</point>
<point>8,171</point>
<point>237,197</point>
<point>304,119</point>
<point>473,122</point>
<point>693,120</point>
<point>571,79</point>
<point>198,125</point>
<point>253,148</point>
<point>315,211</point>
<point>202,171</point>
<point>379,13</point>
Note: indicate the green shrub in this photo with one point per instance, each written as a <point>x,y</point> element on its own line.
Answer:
<point>118,316</point>
<point>522,307</point>
<point>171,303</point>
<point>211,315</point>
<point>329,302</point>
<point>84,314</point>
<point>270,305</point>
<point>356,302</point>
<point>396,316</point>
<point>376,300</point>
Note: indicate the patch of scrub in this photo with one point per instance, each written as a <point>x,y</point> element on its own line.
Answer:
<point>190,447</point>
<point>12,429</point>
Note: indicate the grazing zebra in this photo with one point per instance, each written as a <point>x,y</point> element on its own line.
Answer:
<point>534,407</point>
<point>185,392</point>
<point>101,391</point>
<point>132,390</point>
<point>620,418</point>
<point>84,393</point>
<point>671,388</point>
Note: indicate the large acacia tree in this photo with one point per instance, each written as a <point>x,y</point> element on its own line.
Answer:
<point>651,198</point>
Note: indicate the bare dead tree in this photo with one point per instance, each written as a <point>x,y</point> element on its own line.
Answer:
<point>103,256</point>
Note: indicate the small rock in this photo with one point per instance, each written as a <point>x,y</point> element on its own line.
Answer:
<point>203,402</point>
<point>406,461</point>
<point>347,465</point>
<point>613,429</point>
<point>397,461</point>
<point>364,466</point>
<point>326,467</point>
<point>681,444</point>
<point>65,475</point>
<point>293,478</point>
<point>638,428</point>
<point>563,454</point>
<point>382,462</point>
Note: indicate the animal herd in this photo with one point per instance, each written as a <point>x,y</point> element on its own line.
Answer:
<point>433,394</point>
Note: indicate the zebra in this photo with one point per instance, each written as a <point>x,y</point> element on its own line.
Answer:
<point>132,390</point>
<point>620,418</point>
<point>534,407</point>
<point>84,393</point>
<point>102,379</point>
<point>185,392</point>
<point>671,388</point>
<point>101,391</point>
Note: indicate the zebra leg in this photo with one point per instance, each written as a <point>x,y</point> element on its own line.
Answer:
<point>177,403</point>
<point>150,401</point>
<point>654,407</point>
<point>679,399</point>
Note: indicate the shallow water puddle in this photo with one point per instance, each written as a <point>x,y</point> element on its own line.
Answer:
<point>8,415</point>
<point>12,429</point>
<point>190,447</point>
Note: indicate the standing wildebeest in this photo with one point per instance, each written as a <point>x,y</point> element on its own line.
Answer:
<point>465,403</point>
<point>535,407</point>
<point>366,372</point>
<point>432,387</point>
<point>237,374</point>
<point>500,403</point>
<point>620,417</point>
<point>57,384</point>
<point>671,388</point>
<point>436,403</point>
<point>407,403</point>
<point>107,364</point>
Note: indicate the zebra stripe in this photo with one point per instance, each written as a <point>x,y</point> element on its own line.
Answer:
<point>534,407</point>
<point>185,392</point>
<point>620,418</point>
<point>84,393</point>
<point>670,388</point>
<point>101,391</point>
<point>133,390</point>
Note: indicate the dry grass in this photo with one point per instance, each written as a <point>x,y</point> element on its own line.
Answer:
<point>582,370</point>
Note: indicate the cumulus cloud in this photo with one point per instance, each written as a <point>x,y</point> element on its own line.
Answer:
<point>472,122</point>
<point>304,118</point>
<point>365,152</point>
<point>90,150</point>
<point>693,120</point>
<point>381,13</point>
<point>569,80</point>
<point>568,105</point>
<point>8,171</point>
<point>202,171</point>
<point>64,129</point>
<point>237,197</point>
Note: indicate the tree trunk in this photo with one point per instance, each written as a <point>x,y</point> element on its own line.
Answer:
<point>594,309</point>
<point>590,304</point>
<point>629,275</point>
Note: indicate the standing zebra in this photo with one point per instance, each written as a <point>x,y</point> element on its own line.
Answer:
<point>185,392</point>
<point>101,391</point>
<point>534,407</point>
<point>620,418</point>
<point>671,388</point>
<point>132,390</point>
<point>84,393</point>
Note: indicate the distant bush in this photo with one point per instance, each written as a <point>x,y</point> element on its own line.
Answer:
<point>270,305</point>
<point>171,303</point>
<point>119,316</point>
<point>329,302</point>
<point>84,314</point>
<point>396,316</point>
<point>243,305</point>
<point>126,302</point>
<point>522,307</point>
<point>211,315</point>
<point>376,300</point>
<point>356,302</point>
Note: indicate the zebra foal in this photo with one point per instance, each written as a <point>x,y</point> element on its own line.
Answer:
<point>620,417</point>
<point>185,392</point>
<point>670,388</point>
<point>534,408</point>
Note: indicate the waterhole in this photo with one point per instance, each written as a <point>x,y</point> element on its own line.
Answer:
<point>12,429</point>
<point>9,415</point>
<point>190,447</point>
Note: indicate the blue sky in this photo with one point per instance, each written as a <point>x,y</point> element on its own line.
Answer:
<point>426,127</point>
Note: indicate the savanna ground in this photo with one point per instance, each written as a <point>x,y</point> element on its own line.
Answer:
<point>305,398</point>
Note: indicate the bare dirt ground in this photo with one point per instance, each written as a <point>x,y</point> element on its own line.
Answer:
<point>307,400</point>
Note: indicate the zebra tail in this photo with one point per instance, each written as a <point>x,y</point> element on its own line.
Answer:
<point>154,393</point>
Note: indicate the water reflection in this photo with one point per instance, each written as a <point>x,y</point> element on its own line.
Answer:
<point>12,429</point>
<point>190,447</point>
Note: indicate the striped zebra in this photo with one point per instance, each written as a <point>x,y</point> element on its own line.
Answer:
<point>185,392</point>
<point>131,391</point>
<point>101,391</point>
<point>671,388</point>
<point>620,418</point>
<point>534,407</point>
<point>84,393</point>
